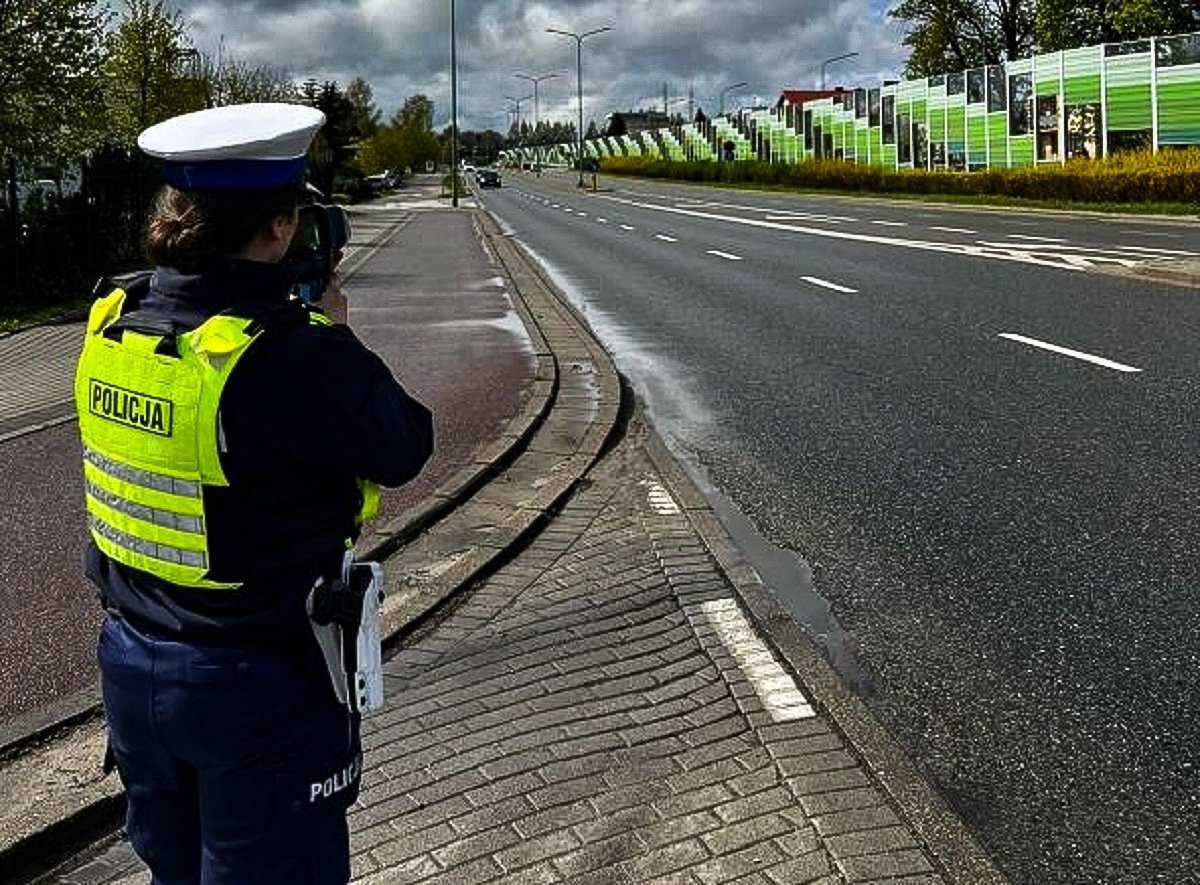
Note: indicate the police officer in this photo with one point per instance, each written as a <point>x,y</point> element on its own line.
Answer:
<point>232,437</point>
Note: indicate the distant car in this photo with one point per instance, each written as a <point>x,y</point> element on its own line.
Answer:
<point>488,178</point>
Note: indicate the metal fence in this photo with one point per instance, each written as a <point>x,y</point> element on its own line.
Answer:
<point>55,242</point>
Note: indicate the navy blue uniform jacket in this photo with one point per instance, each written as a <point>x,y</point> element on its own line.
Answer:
<point>307,411</point>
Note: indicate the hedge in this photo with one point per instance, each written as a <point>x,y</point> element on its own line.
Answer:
<point>1171,176</point>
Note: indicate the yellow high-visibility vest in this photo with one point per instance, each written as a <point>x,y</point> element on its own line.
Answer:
<point>148,417</point>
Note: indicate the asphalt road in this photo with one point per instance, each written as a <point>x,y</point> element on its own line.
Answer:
<point>981,450</point>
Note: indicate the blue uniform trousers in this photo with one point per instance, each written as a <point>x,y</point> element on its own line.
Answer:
<point>238,764</point>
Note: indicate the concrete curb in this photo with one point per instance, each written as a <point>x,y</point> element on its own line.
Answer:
<point>962,860</point>
<point>56,766</point>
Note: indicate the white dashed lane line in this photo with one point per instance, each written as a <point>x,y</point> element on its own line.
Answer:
<point>1034,239</point>
<point>726,255</point>
<point>665,238</point>
<point>1066,351</point>
<point>825,284</point>
<point>628,227</point>
<point>891,223</point>
<point>954,230</point>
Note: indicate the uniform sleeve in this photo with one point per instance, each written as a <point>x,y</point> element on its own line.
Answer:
<point>322,400</point>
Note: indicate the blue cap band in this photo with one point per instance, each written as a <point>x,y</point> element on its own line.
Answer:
<point>261,175</point>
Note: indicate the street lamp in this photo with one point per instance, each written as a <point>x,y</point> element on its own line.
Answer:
<point>517,102</point>
<point>830,61</point>
<point>535,81</point>
<point>725,90</point>
<point>453,111</point>
<point>579,38</point>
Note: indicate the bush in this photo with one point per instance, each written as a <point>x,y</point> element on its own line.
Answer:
<point>1170,176</point>
<point>448,185</point>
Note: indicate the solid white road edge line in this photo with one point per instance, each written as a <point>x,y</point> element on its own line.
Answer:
<point>1066,351</point>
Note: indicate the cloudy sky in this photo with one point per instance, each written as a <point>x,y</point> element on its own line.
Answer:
<point>402,47</point>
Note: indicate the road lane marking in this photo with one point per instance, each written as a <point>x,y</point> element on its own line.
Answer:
<point>1037,239</point>
<point>1152,251</point>
<point>826,219</point>
<point>891,223</point>
<point>1149,233</point>
<point>628,227</point>
<point>776,690</point>
<point>660,499</point>
<point>1066,351</point>
<point>964,249</point>
<point>769,211</point>
<point>954,230</point>
<point>1060,248</point>
<point>601,221</point>
<point>817,281</point>
<point>728,255</point>
<point>1064,253</point>
<point>665,238</point>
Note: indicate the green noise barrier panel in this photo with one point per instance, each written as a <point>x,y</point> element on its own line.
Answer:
<point>1049,108</point>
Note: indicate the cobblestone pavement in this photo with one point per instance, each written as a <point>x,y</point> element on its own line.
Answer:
<point>600,711</point>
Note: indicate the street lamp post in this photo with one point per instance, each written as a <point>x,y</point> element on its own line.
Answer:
<point>725,90</point>
<point>517,102</point>
<point>830,61</point>
<point>453,111</point>
<point>536,146</point>
<point>579,38</point>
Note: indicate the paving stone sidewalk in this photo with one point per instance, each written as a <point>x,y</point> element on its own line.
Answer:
<point>585,715</point>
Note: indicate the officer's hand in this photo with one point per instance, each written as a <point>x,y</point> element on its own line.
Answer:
<point>333,301</point>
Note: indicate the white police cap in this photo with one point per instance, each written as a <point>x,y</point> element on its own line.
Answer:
<point>238,147</point>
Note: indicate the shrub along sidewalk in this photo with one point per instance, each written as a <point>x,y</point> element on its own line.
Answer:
<point>1168,179</point>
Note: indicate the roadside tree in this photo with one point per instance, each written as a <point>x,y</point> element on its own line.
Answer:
<point>1067,24</point>
<point>952,35</point>
<point>151,70</point>
<point>50,59</point>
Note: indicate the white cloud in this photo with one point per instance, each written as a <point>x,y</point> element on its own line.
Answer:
<point>402,47</point>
